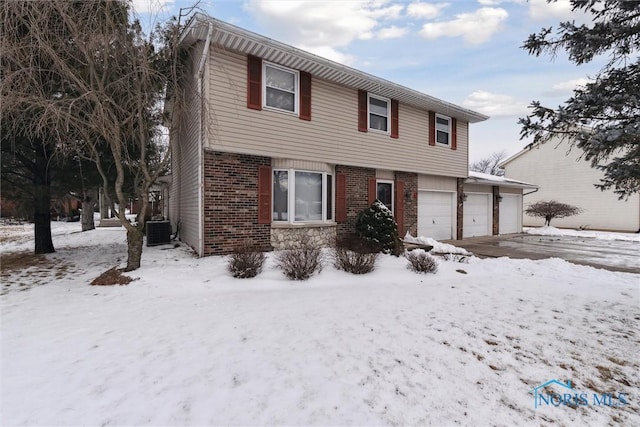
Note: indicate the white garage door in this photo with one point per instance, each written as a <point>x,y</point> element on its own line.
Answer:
<point>477,215</point>
<point>435,214</point>
<point>510,213</point>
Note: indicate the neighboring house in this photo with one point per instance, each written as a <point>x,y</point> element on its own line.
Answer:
<point>564,176</point>
<point>277,145</point>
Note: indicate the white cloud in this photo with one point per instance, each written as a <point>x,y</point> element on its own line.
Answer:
<point>494,104</point>
<point>489,2</point>
<point>151,6</point>
<point>323,27</point>
<point>566,87</point>
<point>392,32</point>
<point>425,10</point>
<point>475,28</point>
<point>541,10</point>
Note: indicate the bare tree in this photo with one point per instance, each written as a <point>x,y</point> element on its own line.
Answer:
<point>551,209</point>
<point>111,83</point>
<point>490,164</point>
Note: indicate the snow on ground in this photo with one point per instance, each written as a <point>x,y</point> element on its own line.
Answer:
<point>600,235</point>
<point>186,344</point>
<point>438,247</point>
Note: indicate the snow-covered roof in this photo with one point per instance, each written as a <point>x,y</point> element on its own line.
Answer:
<point>485,178</point>
<point>234,38</point>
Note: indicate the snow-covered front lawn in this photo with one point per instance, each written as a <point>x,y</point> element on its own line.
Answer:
<point>592,234</point>
<point>186,344</point>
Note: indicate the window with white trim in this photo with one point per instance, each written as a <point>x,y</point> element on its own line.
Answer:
<point>379,113</point>
<point>384,193</point>
<point>280,88</point>
<point>443,129</point>
<point>302,196</point>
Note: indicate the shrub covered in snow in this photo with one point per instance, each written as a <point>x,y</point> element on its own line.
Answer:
<point>421,261</point>
<point>300,263</point>
<point>376,225</point>
<point>246,262</point>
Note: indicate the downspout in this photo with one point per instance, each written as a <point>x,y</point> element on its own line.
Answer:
<point>530,192</point>
<point>201,137</point>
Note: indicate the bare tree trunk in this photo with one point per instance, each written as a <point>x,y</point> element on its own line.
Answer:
<point>104,205</point>
<point>134,248</point>
<point>89,203</point>
<point>42,200</point>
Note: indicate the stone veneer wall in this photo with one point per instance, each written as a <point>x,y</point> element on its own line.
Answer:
<point>293,237</point>
<point>410,180</point>
<point>357,196</point>
<point>231,203</point>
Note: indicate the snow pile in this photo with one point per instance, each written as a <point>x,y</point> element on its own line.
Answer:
<point>187,344</point>
<point>600,235</point>
<point>440,248</point>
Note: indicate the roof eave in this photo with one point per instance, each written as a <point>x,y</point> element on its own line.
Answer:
<point>238,39</point>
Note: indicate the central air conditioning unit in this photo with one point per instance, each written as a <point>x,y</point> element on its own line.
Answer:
<point>158,233</point>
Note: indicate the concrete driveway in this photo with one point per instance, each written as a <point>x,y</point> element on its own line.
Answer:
<point>614,255</point>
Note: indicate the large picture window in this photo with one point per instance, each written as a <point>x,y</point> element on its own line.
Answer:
<point>302,196</point>
<point>280,88</point>
<point>379,113</point>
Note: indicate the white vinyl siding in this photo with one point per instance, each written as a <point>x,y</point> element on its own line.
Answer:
<point>561,176</point>
<point>441,183</point>
<point>185,161</point>
<point>332,134</point>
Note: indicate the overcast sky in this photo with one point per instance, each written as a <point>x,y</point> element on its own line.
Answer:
<point>462,51</point>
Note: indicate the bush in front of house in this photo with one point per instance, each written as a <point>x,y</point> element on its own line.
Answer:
<point>421,261</point>
<point>377,227</point>
<point>355,255</point>
<point>300,263</point>
<point>246,262</point>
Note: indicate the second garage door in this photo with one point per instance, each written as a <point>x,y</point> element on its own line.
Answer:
<point>510,213</point>
<point>435,214</point>
<point>477,216</point>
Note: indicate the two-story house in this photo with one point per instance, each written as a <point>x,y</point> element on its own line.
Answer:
<point>276,145</point>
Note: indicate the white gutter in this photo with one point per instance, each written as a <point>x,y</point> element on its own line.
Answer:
<point>201,139</point>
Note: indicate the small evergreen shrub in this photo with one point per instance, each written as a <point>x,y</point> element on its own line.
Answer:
<point>300,263</point>
<point>421,261</point>
<point>246,262</point>
<point>377,227</point>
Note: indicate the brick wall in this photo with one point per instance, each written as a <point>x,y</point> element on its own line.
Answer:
<point>357,196</point>
<point>496,211</point>
<point>460,209</point>
<point>411,202</point>
<point>231,202</point>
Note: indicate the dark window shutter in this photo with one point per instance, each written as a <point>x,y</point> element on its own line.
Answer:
<point>362,111</point>
<point>341,197</point>
<point>394,119</point>
<point>254,83</point>
<point>305,96</point>
<point>373,190</point>
<point>399,207</point>
<point>432,128</point>
<point>264,194</point>
<point>454,134</point>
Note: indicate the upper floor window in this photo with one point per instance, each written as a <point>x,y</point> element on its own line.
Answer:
<point>378,113</point>
<point>443,129</point>
<point>280,88</point>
